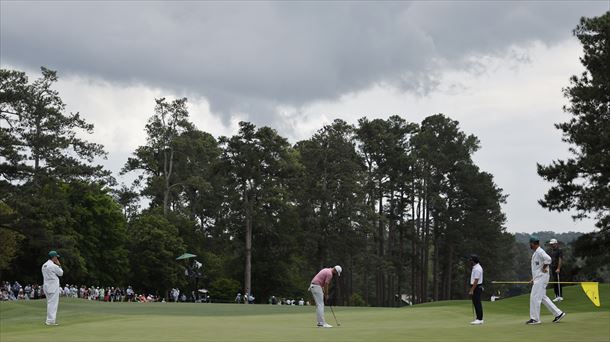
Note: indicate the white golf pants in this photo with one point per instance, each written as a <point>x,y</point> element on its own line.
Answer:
<point>52,303</point>
<point>537,296</point>
<point>318,296</point>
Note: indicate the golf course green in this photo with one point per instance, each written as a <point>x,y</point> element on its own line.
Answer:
<point>82,320</point>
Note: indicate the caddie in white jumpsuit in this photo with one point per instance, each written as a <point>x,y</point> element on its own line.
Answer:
<point>540,280</point>
<point>51,271</point>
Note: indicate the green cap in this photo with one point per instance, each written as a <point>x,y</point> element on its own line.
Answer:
<point>53,254</point>
<point>534,238</point>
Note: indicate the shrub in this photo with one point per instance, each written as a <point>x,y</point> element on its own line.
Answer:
<point>356,300</point>
<point>224,289</point>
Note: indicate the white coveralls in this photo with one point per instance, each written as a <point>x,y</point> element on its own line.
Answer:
<point>541,280</point>
<point>51,274</point>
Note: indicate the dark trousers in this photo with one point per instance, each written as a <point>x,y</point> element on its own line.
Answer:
<point>556,287</point>
<point>476,301</point>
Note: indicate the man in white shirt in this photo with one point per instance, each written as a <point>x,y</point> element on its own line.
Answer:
<point>540,279</point>
<point>51,271</point>
<point>130,294</point>
<point>476,288</point>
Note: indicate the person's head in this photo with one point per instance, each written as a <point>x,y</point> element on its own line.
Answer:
<point>534,242</point>
<point>337,270</point>
<point>554,244</point>
<point>53,255</point>
<point>474,259</point>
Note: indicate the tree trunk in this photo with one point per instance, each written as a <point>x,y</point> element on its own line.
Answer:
<point>380,242</point>
<point>425,226</point>
<point>449,271</point>
<point>389,253</point>
<point>413,243</point>
<point>367,293</point>
<point>426,249</point>
<point>349,286</point>
<point>167,168</point>
<point>419,248</point>
<point>35,150</point>
<point>248,265</point>
<point>435,278</point>
<point>400,263</point>
<point>422,239</point>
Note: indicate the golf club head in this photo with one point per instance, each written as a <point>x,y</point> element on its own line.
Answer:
<point>333,311</point>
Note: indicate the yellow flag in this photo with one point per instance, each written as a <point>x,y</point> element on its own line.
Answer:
<point>590,288</point>
<point>592,291</point>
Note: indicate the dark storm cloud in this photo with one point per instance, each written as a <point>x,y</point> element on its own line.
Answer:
<point>250,57</point>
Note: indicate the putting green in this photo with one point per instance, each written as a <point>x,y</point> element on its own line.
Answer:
<point>442,321</point>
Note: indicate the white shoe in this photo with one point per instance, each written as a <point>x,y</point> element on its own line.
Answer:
<point>48,323</point>
<point>326,325</point>
<point>477,322</point>
<point>558,299</point>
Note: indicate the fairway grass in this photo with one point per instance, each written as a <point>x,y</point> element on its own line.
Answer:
<point>442,321</point>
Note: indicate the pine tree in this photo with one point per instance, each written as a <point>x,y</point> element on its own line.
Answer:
<point>582,181</point>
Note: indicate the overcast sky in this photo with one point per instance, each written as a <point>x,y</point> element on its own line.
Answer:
<point>496,67</point>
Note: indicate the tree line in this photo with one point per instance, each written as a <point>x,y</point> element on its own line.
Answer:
<point>400,205</point>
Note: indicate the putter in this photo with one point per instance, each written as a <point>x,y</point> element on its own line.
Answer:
<point>559,285</point>
<point>474,316</point>
<point>333,311</point>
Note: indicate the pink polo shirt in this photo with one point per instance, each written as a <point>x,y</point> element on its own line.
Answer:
<point>323,277</point>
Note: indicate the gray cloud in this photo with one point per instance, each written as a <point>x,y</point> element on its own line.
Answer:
<point>251,57</point>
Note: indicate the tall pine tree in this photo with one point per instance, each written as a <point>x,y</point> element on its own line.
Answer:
<point>582,181</point>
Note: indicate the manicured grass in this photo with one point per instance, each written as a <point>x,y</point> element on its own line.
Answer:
<point>442,321</point>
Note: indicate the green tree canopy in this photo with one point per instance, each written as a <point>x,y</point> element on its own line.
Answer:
<point>260,166</point>
<point>50,182</point>
<point>581,181</point>
<point>40,140</point>
<point>153,246</point>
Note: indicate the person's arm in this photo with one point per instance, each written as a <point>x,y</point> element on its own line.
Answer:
<point>535,257</point>
<point>546,261</point>
<point>474,285</point>
<point>326,291</point>
<point>58,270</point>
<point>559,262</point>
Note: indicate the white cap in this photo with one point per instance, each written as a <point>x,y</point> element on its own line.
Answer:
<point>553,242</point>
<point>339,270</point>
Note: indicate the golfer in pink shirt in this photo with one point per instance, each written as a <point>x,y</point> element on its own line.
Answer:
<point>322,279</point>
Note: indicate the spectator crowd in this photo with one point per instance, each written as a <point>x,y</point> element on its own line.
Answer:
<point>287,301</point>
<point>16,291</point>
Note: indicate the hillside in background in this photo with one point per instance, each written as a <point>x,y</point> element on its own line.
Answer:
<point>546,235</point>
